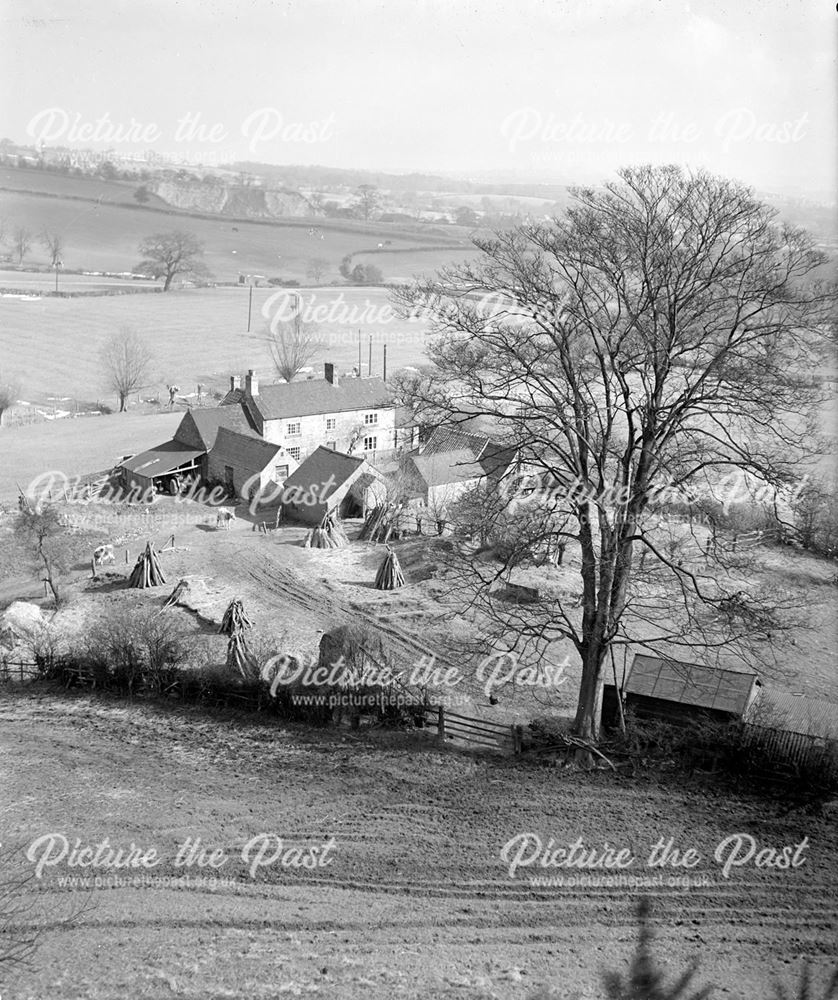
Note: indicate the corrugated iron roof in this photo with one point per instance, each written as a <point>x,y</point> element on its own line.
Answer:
<point>795,714</point>
<point>690,684</point>
<point>162,459</point>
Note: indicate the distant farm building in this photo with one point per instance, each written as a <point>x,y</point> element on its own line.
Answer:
<point>677,692</point>
<point>452,462</point>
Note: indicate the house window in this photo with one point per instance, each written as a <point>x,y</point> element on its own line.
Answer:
<point>281,473</point>
<point>370,418</point>
<point>295,428</point>
<point>331,423</point>
<point>294,453</point>
<point>370,443</point>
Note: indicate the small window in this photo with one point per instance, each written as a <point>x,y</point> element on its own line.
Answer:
<point>370,418</point>
<point>331,423</point>
<point>370,443</point>
<point>281,473</point>
<point>295,428</point>
<point>294,453</point>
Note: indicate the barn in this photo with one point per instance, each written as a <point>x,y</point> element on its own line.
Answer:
<point>332,482</point>
<point>248,465</point>
<point>673,691</point>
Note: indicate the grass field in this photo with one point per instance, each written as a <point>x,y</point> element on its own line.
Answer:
<point>102,227</point>
<point>76,447</point>
<point>199,335</point>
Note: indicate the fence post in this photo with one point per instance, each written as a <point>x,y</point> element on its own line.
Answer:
<point>440,724</point>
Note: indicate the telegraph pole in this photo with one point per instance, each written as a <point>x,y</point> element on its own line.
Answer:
<point>369,364</point>
<point>249,306</point>
<point>360,369</point>
<point>384,376</point>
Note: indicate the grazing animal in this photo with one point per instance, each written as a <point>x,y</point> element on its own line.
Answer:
<point>103,554</point>
<point>224,518</point>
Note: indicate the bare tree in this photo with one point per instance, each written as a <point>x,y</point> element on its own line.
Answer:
<point>656,338</point>
<point>44,539</point>
<point>317,267</point>
<point>21,242</point>
<point>8,396</point>
<point>293,345</point>
<point>53,243</point>
<point>127,362</point>
<point>167,255</point>
<point>368,199</point>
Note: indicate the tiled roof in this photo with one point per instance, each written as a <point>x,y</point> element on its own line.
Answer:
<point>795,714</point>
<point>199,428</point>
<point>314,396</point>
<point>690,684</point>
<point>244,449</point>
<point>319,468</point>
<point>494,458</point>
<point>446,468</point>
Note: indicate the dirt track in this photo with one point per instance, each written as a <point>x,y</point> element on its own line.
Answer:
<point>417,901</point>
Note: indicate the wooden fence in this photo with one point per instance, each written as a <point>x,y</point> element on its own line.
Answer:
<point>18,670</point>
<point>490,735</point>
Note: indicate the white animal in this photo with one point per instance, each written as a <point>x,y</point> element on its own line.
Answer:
<point>104,554</point>
<point>224,518</point>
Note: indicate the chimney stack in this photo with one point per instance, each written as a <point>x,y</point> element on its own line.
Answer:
<point>235,382</point>
<point>331,375</point>
<point>251,383</point>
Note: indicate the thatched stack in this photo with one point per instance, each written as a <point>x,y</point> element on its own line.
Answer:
<point>389,575</point>
<point>147,572</point>
<point>329,534</point>
<point>235,619</point>
<point>379,524</point>
<point>239,656</point>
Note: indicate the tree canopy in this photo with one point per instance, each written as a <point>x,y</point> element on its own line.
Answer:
<point>657,338</point>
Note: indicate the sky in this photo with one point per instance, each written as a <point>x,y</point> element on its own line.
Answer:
<point>560,91</point>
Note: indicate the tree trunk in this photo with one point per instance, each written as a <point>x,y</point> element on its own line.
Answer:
<point>589,706</point>
<point>122,397</point>
<point>167,284</point>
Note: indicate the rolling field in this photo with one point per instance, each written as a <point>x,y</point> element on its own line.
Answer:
<point>196,335</point>
<point>101,231</point>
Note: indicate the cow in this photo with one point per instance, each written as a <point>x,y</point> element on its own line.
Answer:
<point>224,518</point>
<point>103,554</point>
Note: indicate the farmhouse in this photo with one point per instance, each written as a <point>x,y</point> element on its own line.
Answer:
<point>344,414</point>
<point>452,461</point>
<point>658,688</point>
<point>332,482</point>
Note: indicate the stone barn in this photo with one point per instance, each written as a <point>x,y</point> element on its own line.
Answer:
<point>248,466</point>
<point>332,482</point>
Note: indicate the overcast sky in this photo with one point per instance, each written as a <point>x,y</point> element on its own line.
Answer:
<point>560,91</point>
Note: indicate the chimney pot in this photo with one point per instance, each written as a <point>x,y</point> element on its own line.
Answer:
<point>251,383</point>
<point>235,382</point>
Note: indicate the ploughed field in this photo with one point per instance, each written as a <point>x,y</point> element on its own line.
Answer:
<point>417,898</point>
